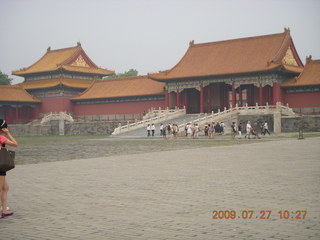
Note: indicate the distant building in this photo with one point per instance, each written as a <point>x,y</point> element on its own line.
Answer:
<point>215,75</point>
<point>210,76</point>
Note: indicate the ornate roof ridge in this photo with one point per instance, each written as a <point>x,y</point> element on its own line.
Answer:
<point>192,44</point>
<point>123,78</point>
<point>63,49</point>
<point>44,55</point>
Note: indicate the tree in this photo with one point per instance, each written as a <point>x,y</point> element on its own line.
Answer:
<point>4,79</point>
<point>130,73</point>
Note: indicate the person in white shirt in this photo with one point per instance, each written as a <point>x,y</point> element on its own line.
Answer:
<point>153,128</point>
<point>265,128</point>
<point>248,129</point>
<point>161,129</point>
<point>148,130</point>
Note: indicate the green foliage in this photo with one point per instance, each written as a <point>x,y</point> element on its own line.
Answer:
<point>4,79</point>
<point>130,73</point>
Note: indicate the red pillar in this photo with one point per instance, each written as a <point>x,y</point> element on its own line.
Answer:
<point>185,99</point>
<point>240,96</point>
<point>178,98</point>
<point>233,99</point>
<point>222,96</point>
<point>167,98</point>
<point>17,115</point>
<point>260,95</point>
<point>201,99</point>
<point>275,93</point>
<point>209,99</point>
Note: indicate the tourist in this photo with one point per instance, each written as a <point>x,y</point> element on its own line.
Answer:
<point>169,129</point>
<point>148,130</point>
<point>212,130</point>
<point>164,132</point>
<point>265,128</point>
<point>206,129</point>
<point>223,128</point>
<point>248,130</point>
<point>196,130</point>
<point>189,130</point>
<point>175,130</point>
<point>217,128</point>
<point>240,130</point>
<point>153,128</point>
<point>233,130</point>
<point>5,138</point>
<point>161,129</point>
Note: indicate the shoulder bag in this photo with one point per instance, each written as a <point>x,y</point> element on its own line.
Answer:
<point>6,159</point>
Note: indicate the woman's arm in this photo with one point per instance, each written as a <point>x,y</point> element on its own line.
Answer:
<point>10,141</point>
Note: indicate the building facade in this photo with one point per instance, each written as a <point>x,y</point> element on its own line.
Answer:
<point>209,77</point>
<point>219,75</point>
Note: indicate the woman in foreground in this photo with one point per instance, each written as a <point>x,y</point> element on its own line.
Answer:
<point>5,138</point>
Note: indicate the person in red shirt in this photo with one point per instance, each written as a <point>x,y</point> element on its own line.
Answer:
<point>5,138</point>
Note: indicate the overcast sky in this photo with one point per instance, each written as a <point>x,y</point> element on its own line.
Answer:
<point>147,35</point>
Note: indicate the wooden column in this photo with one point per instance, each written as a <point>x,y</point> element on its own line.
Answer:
<point>260,95</point>
<point>240,95</point>
<point>222,94</point>
<point>233,99</point>
<point>276,90</point>
<point>201,99</point>
<point>178,98</point>
<point>209,99</point>
<point>167,98</point>
<point>17,114</point>
<point>185,99</point>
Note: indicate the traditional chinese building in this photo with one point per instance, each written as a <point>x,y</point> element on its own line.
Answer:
<point>210,76</point>
<point>215,75</point>
<point>57,77</point>
<point>16,104</point>
<point>131,95</point>
<point>303,92</point>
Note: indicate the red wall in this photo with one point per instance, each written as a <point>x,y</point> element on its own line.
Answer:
<point>56,104</point>
<point>302,100</point>
<point>116,108</point>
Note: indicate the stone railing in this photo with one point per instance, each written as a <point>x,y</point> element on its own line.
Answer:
<point>232,113</point>
<point>56,116</point>
<point>61,117</point>
<point>153,116</point>
<point>153,112</point>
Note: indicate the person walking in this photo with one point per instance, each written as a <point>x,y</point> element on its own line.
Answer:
<point>265,128</point>
<point>153,128</point>
<point>248,130</point>
<point>240,130</point>
<point>5,138</point>
<point>161,129</point>
<point>233,130</point>
<point>148,130</point>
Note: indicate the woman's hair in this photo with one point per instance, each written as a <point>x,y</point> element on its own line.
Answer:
<point>3,124</point>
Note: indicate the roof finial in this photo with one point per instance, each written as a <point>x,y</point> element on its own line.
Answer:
<point>48,49</point>
<point>308,59</point>
<point>287,29</point>
<point>191,43</point>
<point>78,44</point>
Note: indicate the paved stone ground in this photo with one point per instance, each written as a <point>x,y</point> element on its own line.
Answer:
<point>170,195</point>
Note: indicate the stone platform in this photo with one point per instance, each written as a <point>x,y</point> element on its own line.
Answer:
<point>170,195</point>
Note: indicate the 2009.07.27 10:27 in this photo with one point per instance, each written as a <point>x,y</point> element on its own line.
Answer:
<point>262,214</point>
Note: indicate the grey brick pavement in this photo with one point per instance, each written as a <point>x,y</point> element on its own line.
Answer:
<point>169,195</point>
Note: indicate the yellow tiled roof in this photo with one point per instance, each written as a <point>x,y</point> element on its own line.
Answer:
<point>74,83</point>
<point>309,76</point>
<point>64,58</point>
<point>15,93</point>
<point>245,55</point>
<point>122,87</point>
